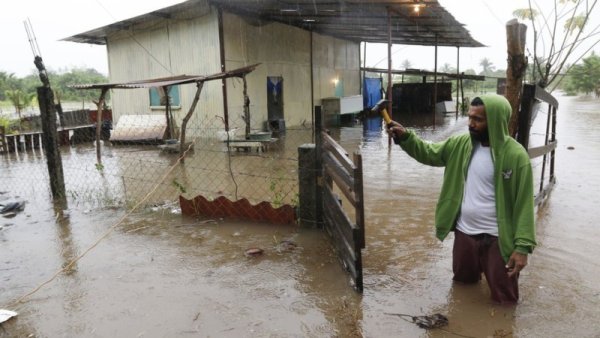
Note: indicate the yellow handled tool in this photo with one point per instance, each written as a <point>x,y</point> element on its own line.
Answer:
<point>381,108</point>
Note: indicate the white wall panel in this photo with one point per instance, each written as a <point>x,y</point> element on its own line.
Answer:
<point>284,51</point>
<point>190,45</point>
<point>163,48</point>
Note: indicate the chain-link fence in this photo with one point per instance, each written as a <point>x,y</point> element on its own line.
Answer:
<point>216,164</point>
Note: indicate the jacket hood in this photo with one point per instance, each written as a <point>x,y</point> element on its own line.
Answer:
<point>497,110</point>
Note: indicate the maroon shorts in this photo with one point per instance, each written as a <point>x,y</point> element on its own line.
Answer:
<point>476,254</point>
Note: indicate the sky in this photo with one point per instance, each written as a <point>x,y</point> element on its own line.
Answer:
<point>53,20</point>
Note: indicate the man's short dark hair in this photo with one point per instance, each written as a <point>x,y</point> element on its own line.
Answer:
<point>477,102</point>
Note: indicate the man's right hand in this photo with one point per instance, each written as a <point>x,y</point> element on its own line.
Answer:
<point>396,130</point>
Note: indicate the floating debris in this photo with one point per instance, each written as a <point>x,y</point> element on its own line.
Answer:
<point>570,147</point>
<point>9,214</point>
<point>12,207</point>
<point>6,315</point>
<point>253,252</point>
<point>433,321</point>
<point>286,245</point>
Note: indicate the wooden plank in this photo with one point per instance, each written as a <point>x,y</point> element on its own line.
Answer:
<point>337,151</point>
<point>360,205</point>
<point>542,150</point>
<point>340,219</point>
<point>340,177</point>
<point>345,252</point>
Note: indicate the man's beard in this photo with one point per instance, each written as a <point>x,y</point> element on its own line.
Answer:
<point>483,137</point>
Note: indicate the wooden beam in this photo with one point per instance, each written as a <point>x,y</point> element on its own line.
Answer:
<point>541,150</point>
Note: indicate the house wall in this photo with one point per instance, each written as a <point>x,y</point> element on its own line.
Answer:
<point>284,51</point>
<point>188,44</point>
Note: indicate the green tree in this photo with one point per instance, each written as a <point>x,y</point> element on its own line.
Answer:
<point>78,76</point>
<point>19,99</point>
<point>558,37</point>
<point>469,84</point>
<point>446,68</point>
<point>487,66</point>
<point>585,77</point>
<point>8,81</point>
<point>60,81</point>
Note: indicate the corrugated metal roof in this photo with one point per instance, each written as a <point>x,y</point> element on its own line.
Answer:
<point>350,20</point>
<point>169,81</point>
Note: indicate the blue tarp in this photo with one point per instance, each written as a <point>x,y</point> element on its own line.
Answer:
<point>371,92</point>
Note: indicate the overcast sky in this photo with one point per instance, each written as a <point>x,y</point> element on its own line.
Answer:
<point>53,20</point>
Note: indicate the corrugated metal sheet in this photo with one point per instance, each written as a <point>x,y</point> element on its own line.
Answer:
<point>349,20</point>
<point>188,46</point>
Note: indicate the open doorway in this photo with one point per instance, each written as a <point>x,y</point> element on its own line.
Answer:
<point>276,120</point>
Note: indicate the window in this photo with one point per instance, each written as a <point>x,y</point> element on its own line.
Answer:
<point>158,98</point>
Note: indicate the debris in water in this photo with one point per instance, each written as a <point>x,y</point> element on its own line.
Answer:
<point>286,245</point>
<point>253,252</point>
<point>570,147</point>
<point>501,333</point>
<point>12,207</point>
<point>433,321</point>
<point>9,214</point>
<point>6,315</point>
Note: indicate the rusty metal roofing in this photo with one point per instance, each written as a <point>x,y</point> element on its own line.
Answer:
<point>359,20</point>
<point>169,81</point>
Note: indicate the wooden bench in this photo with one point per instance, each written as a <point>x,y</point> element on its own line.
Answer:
<point>250,145</point>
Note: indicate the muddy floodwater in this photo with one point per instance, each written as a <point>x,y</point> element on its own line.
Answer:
<point>159,274</point>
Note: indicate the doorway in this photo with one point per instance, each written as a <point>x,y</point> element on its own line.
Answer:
<point>276,120</point>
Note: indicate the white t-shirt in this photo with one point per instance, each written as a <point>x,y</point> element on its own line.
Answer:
<point>478,208</point>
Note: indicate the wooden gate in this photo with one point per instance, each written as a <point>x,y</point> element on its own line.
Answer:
<point>338,172</point>
<point>533,95</point>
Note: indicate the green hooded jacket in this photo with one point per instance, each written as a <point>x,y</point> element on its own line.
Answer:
<point>513,178</point>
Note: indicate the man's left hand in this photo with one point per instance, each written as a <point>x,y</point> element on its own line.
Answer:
<point>516,263</point>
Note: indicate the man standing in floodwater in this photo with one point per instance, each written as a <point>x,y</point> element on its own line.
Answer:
<point>486,196</point>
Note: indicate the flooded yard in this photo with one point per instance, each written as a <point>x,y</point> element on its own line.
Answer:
<point>156,273</point>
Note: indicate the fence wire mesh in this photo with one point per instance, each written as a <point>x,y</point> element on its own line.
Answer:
<point>216,164</point>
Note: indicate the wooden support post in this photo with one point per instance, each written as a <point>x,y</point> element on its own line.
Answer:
<point>390,86</point>
<point>50,142</point>
<point>515,71</point>
<point>246,107</point>
<point>457,76</point>
<point>524,116</point>
<point>187,117</point>
<point>100,110</point>
<point>435,89</point>
<point>319,166</point>
<point>462,97</point>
